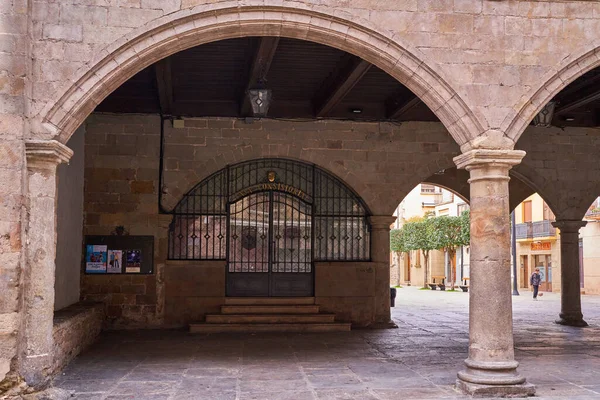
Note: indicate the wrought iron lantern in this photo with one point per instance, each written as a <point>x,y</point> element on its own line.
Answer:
<point>260,100</point>
<point>544,117</point>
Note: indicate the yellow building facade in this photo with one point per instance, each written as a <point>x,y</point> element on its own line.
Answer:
<point>538,246</point>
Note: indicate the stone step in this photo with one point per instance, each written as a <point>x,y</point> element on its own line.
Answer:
<point>222,328</point>
<point>270,309</point>
<point>269,318</point>
<point>258,301</point>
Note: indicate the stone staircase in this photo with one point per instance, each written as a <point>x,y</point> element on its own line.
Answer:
<point>273,314</point>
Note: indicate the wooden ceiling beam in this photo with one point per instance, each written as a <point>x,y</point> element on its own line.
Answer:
<point>164,85</point>
<point>565,108</point>
<point>346,77</point>
<point>261,64</point>
<point>400,106</point>
<point>576,86</point>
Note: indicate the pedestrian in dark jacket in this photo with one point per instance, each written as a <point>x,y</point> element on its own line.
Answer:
<point>535,281</point>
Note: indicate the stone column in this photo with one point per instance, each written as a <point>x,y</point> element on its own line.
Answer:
<point>491,369</point>
<point>380,254</point>
<point>570,281</point>
<point>43,158</point>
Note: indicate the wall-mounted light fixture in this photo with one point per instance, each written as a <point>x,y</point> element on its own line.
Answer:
<point>544,117</point>
<point>260,100</point>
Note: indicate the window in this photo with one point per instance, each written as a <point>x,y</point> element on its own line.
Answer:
<point>527,211</point>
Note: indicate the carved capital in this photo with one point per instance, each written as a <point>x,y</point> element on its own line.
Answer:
<point>489,164</point>
<point>381,221</point>
<point>569,226</point>
<point>46,153</point>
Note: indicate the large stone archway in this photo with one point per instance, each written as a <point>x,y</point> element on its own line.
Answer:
<point>549,86</point>
<point>192,27</point>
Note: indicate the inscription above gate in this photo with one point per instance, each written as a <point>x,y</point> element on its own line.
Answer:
<point>280,187</point>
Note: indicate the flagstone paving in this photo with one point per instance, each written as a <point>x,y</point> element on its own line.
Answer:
<point>419,360</point>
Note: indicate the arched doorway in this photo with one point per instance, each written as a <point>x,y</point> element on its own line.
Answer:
<point>270,220</point>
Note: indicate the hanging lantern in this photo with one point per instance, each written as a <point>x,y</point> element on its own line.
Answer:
<point>260,100</point>
<point>544,117</point>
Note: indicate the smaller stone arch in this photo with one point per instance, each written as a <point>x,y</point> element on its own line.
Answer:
<point>517,121</point>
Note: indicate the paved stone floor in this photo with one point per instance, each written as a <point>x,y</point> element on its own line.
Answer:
<point>417,361</point>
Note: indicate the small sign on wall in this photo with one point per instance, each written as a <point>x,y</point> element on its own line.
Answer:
<point>538,246</point>
<point>119,254</point>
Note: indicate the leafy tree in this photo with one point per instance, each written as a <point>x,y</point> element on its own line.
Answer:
<point>448,234</point>
<point>415,235</point>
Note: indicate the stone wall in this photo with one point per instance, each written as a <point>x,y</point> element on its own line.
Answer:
<point>75,328</point>
<point>382,162</point>
<point>13,125</point>
<point>69,224</point>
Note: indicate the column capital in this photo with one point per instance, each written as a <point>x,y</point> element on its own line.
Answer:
<point>489,164</point>
<point>484,157</point>
<point>569,225</point>
<point>45,152</point>
<point>381,221</point>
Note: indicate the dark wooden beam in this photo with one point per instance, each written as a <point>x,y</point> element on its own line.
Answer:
<point>261,64</point>
<point>579,84</point>
<point>342,82</point>
<point>574,105</point>
<point>164,85</point>
<point>400,106</point>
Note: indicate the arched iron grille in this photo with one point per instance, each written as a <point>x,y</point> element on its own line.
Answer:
<point>339,225</point>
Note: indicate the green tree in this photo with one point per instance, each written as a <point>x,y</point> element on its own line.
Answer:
<point>448,234</point>
<point>415,235</point>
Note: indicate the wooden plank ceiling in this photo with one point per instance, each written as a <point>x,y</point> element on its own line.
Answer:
<point>308,80</point>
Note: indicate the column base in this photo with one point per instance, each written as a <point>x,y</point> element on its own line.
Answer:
<point>493,379</point>
<point>570,320</point>
<point>479,390</point>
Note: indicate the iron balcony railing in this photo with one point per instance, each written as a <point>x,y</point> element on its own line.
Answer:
<point>530,230</point>
<point>543,229</point>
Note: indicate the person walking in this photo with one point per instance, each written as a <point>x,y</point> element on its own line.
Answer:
<point>535,281</point>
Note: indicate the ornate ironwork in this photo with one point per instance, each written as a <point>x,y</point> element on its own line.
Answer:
<point>286,213</point>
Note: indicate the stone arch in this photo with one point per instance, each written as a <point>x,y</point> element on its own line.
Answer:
<point>176,190</point>
<point>516,122</point>
<point>207,23</point>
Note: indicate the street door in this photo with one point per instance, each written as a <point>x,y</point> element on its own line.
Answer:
<point>270,246</point>
<point>524,272</point>
<point>544,263</point>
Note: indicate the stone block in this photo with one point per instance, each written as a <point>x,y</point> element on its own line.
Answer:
<point>138,187</point>
<point>67,33</point>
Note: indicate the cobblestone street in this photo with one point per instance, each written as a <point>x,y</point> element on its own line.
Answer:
<point>417,361</point>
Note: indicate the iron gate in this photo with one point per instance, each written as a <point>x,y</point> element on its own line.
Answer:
<point>270,246</point>
<point>270,219</point>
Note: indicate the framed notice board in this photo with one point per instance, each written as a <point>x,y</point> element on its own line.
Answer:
<point>119,255</point>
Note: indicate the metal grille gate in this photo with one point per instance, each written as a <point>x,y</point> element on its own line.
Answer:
<point>270,246</point>
<point>270,219</point>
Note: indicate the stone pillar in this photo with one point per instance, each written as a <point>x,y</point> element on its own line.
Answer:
<point>43,158</point>
<point>570,281</point>
<point>491,369</point>
<point>380,254</point>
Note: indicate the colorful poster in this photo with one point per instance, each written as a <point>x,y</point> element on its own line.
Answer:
<point>95,259</point>
<point>133,263</point>
<point>115,262</point>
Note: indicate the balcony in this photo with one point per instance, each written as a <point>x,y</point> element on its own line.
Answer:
<point>532,230</point>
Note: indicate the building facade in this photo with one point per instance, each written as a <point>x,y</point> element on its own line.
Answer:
<point>538,246</point>
<point>456,93</point>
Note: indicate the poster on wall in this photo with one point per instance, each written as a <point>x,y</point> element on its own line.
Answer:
<point>115,262</point>
<point>114,254</point>
<point>95,259</point>
<point>133,262</point>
